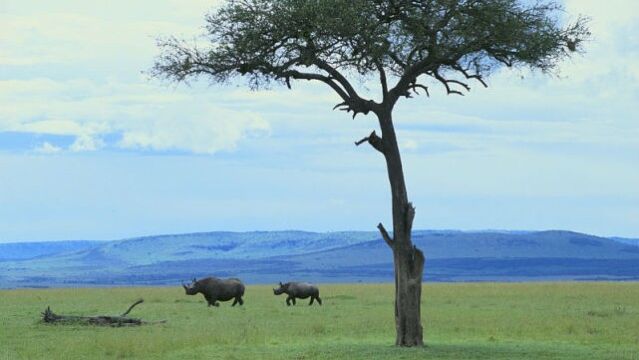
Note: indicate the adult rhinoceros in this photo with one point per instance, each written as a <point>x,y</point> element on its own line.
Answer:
<point>215,289</point>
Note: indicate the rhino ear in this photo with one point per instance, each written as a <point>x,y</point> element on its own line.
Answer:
<point>194,281</point>
<point>281,284</point>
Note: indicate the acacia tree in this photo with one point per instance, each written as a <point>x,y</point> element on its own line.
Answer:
<point>406,45</point>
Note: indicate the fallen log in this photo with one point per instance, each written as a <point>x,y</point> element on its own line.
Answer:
<point>50,317</point>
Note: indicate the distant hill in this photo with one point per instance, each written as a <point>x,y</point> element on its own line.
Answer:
<point>30,250</point>
<point>627,241</point>
<point>319,257</point>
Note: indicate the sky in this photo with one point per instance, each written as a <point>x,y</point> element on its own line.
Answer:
<point>92,148</point>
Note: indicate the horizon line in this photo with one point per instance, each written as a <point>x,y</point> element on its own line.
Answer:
<point>316,232</point>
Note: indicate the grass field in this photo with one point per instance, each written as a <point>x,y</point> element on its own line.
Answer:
<point>461,321</point>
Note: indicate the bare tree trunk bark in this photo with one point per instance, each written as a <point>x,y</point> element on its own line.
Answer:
<point>408,260</point>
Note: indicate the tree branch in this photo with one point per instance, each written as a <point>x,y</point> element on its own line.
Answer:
<point>385,235</point>
<point>131,307</point>
<point>357,106</point>
<point>396,59</point>
<point>470,76</point>
<point>352,101</point>
<point>382,79</point>
<point>413,88</point>
<point>310,76</point>
<point>338,76</point>
<point>447,83</point>
<point>410,77</point>
<point>374,140</point>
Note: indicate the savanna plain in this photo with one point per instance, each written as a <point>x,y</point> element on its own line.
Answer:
<point>461,321</point>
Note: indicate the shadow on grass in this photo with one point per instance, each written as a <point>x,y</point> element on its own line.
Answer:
<point>436,350</point>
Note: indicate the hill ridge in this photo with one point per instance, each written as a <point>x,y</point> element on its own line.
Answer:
<point>336,256</point>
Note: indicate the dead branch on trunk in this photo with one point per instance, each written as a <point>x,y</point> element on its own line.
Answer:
<point>389,240</point>
<point>50,317</point>
<point>374,140</point>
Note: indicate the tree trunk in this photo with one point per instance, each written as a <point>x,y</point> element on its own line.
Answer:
<point>408,260</point>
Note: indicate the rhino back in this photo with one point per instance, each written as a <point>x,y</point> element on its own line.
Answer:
<point>302,290</point>
<point>235,285</point>
<point>223,289</point>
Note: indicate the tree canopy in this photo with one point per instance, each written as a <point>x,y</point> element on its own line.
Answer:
<point>405,41</point>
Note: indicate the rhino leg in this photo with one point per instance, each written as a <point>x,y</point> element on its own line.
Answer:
<point>318,299</point>
<point>288,301</point>
<point>238,300</point>
<point>312,299</point>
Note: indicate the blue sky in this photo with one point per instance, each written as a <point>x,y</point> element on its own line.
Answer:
<point>90,148</point>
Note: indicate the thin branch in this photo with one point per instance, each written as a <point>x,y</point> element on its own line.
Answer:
<point>374,140</point>
<point>358,143</point>
<point>385,235</point>
<point>310,76</point>
<point>352,101</point>
<point>470,76</point>
<point>447,83</point>
<point>409,77</point>
<point>396,59</point>
<point>460,83</point>
<point>414,86</point>
<point>338,76</point>
<point>382,79</point>
<point>131,307</point>
<point>357,106</point>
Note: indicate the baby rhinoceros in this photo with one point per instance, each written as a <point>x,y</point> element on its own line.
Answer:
<point>298,290</point>
<point>215,289</point>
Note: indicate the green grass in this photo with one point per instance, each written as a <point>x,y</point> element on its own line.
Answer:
<point>461,321</point>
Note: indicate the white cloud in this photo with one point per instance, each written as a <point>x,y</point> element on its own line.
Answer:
<point>145,116</point>
<point>61,127</point>
<point>84,143</point>
<point>47,148</point>
<point>605,13</point>
<point>211,130</point>
<point>615,45</point>
<point>116,39</point>
<point>69,31</point>
<point>409,145</point>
